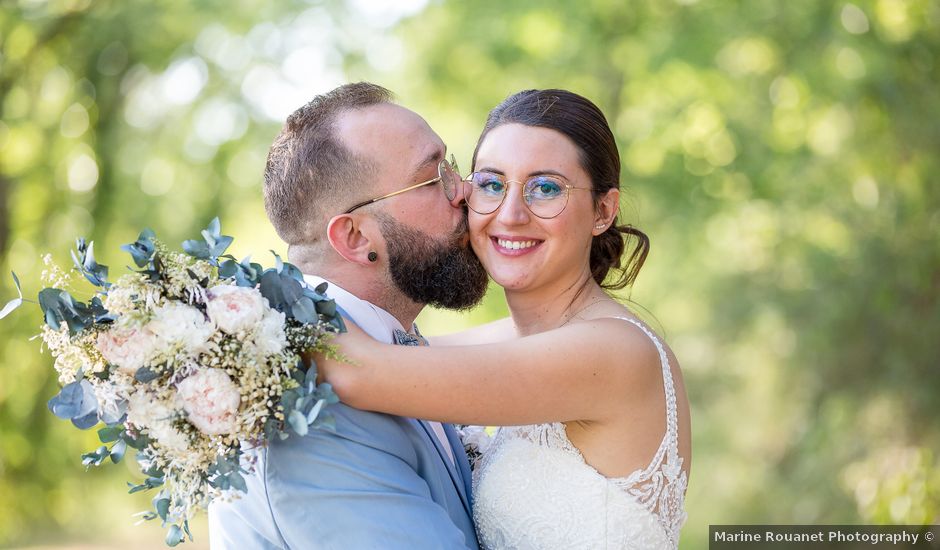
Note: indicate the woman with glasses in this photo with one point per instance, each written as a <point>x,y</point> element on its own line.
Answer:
<point>595,446</point>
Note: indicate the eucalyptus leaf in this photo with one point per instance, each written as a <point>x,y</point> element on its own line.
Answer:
<point>321,288</point>
<point>90,420</point>
<point>237,482</point>
<point>118,450</point>
<point>327,307</point>
<point>145,374</point>
<point>174,535</point>
<point>220,245</point>
<point>161,505</point>
<point>16,283</point>
<point>315,411</point>
<point>298,421</point>
<point>143,249</point>
<point>215,227</point>
<point>11,305</point>
<point>228,269</point>
<point>293,272</point>
<point>67,404</point>
<point>304,310</point>
<point>197,249</point>
<point>110,433</point>
<point>271,289</point>
<point>310,379</point>
<point>96,457</point>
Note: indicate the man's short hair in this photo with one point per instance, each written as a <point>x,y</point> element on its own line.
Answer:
<point>310,171</point>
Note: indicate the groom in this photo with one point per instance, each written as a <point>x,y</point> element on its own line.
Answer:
<point>343,187</point>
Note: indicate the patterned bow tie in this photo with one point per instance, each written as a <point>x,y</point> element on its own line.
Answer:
<point>403,338</point>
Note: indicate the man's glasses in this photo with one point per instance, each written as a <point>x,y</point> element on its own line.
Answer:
<point>447,174</point>
<point>545,196</point>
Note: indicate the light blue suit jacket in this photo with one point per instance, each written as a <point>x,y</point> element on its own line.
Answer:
<point>377,481</point>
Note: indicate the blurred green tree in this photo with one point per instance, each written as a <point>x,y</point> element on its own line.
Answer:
<point>782,156</point>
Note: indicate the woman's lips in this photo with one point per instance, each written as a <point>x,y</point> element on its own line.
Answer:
<point>515,246</point>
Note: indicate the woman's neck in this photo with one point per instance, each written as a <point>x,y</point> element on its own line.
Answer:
<point>546,308</point>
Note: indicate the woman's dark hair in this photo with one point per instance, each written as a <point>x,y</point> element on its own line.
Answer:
<point>584,124</point>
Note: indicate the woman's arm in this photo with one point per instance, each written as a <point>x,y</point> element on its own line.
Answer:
<point>494,331</point>
<point>584,371</point>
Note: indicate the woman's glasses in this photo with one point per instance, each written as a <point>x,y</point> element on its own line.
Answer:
<point>545,196</point>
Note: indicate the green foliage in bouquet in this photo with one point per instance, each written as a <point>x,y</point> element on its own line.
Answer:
<point>190,360</point>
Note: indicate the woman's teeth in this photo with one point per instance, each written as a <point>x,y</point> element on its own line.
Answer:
<point>515,245</point>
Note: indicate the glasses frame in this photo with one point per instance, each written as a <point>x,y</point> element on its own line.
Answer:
<point>568,188</point>
<point>441,167</point>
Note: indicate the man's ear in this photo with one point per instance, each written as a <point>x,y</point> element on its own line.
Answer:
<point>353,237</point>
<point>607,210</point>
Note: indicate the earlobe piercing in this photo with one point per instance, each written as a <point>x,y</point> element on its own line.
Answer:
<point>599,226</point>
<point>373,256</point>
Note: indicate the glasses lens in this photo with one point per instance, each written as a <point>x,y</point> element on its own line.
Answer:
<point>545,196</point>
<point>485,192</point>
<point>450,177</point>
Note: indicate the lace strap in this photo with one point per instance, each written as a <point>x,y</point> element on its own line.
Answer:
<point>672,413</point>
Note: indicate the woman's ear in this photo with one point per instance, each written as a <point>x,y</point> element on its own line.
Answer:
<point>354,238</point>
<point>606,211</point>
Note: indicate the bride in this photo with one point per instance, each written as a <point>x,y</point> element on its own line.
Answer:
<point>596,446</point>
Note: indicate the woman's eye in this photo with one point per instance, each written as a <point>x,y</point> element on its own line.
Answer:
<point>544,189</point>
<point>492,186</point>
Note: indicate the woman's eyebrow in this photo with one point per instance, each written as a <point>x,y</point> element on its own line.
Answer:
<point>545,172</point>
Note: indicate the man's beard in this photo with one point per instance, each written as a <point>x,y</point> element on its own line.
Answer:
<point>428,271</point>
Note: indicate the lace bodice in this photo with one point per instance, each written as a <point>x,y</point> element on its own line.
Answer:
<point>534,490</point>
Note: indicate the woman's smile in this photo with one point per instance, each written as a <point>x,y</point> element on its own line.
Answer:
<point>515,246</point>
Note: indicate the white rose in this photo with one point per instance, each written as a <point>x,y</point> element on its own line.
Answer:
<point>211,400</point>
<point>129,348</point>
<point>155,416</point>
<point>178,325</point>
<point>270,338</point>
<point>235,308</point>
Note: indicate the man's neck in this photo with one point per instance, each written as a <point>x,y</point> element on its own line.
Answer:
<point>362,283</point>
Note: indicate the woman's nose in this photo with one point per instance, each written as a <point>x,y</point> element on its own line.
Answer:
<point>513,210</point>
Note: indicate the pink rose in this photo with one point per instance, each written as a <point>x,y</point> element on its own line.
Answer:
<point>211,400</point>
<point>129,348</point>
<point>235,308</point>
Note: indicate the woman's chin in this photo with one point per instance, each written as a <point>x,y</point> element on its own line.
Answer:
<point>511,281</point>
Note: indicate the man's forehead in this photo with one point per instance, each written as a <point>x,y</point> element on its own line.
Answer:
<point>390,131</point>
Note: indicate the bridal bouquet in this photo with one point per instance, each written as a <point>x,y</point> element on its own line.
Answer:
<point>188,360</point>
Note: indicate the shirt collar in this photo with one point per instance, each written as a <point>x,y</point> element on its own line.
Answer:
<point>377,322</point>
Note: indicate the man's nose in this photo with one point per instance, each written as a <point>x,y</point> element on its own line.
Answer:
<point>460,195</point>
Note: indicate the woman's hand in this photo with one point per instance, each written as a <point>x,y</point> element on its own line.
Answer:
<point>340,370</point>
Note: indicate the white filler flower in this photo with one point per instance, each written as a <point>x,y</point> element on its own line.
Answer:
<point>234,308</point>
<point>145,410</point>
<point>270,338</point>
<point>211,400</point>
<point>179,326</point>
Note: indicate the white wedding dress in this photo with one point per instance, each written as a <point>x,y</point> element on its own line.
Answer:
<point>533,490</point>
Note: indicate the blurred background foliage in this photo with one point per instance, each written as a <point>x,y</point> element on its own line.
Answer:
<point>783,157</point>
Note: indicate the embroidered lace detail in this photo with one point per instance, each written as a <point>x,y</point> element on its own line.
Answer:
<point>534,490</point>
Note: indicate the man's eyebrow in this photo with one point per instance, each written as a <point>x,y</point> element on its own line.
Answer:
<point>433,158</point>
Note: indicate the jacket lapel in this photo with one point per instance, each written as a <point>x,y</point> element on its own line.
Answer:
<point>455,476</point>
<point>460,456</point>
